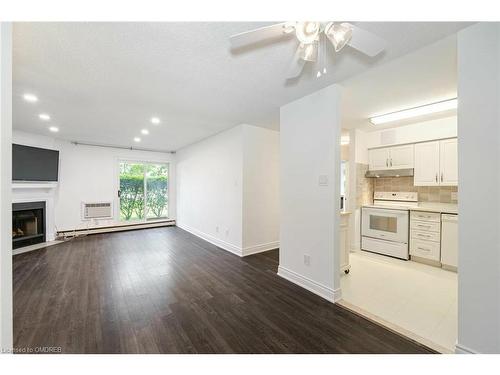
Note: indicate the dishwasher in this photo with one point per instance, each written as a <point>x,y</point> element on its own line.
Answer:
<point>449,241</point>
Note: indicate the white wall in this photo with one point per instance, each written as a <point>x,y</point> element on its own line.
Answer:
<point>228,189</point>
<point>6,333</point>
<point>479,181</point>
<point>416,132</point>
<point>209,182</point>
<point>358,154</point>
<point>260,189</point>
<point>360,145</point>
<point>88,174</point>
<point>310,213</point>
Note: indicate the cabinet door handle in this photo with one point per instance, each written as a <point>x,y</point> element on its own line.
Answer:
<point>423,216</point>
<point>436,177</point>
<point>441,176</point>
<point>391,162</point>
<point>423,226</point>
<point>423,248</point>
<point>386,162</point>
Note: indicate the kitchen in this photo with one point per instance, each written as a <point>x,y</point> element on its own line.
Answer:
<point>403,264</point>
<point>400,190</point>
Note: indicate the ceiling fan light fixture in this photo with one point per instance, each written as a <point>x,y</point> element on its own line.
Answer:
<point>339,34</point>
<point>307,32</point>
<point>309,52</point>
<point>289,27</point>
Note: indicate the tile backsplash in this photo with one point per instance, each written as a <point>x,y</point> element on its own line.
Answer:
<point>440,194</point>
<point>364,188</point>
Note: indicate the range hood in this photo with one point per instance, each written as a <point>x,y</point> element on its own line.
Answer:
<point>408,172</point>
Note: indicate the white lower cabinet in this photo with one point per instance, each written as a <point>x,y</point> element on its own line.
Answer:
<point>425,235</point>
<point>425,249</point>
<point>449,241</point>
<point>434,238</point>
<point>345,246</point>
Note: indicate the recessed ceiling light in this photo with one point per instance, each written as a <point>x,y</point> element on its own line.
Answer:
<point>137,139</point>
<point>44,117</point>
<point>415,112</point>
<point>30,98</point>
<point>155,120</point>
<point>145,131</point>
<point>54,129</point>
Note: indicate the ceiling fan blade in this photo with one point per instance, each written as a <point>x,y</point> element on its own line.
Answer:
<point>254,36</point>
<point>366,42</point>
<point>297,64</point>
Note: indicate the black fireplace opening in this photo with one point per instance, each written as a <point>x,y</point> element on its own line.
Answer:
<point>28,224</point>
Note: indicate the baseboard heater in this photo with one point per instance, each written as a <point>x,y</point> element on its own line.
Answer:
<point>116,228</point>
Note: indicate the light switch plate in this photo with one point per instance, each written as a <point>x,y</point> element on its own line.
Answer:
<point>323,180</point>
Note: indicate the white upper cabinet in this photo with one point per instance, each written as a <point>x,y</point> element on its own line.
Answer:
<point>436,163</point>
<point>378,158</point>
<point>398,157</point>
<point>401,157</point>
<point>426,164</point>
<point>449,162</point>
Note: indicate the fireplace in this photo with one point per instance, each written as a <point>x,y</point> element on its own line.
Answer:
<point>28,224</point>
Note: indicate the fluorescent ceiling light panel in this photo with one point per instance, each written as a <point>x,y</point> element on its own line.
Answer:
<point>44,117</point>
<point>155,120</point>
<point>145,131</point>
<point>137,139</point>
<point>415,112</point>
<point>54,129</point>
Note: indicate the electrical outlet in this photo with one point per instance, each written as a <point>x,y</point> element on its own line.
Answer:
<point>307,260</point>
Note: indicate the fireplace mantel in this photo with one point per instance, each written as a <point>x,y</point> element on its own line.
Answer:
<point>32,191</point>
<point>34,185</point>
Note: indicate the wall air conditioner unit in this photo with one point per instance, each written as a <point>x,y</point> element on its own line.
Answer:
<point>97,210</point>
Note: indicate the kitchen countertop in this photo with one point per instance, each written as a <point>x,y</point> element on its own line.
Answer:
<point>444,208</point>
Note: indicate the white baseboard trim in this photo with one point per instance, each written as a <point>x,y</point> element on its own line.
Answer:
<point>249,250</point>
<point>461,349</point>
<point>213,240</point>
<point>332,295</point>
<point>37,246</point>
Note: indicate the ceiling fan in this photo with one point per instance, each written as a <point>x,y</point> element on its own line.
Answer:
<point>310,34</point>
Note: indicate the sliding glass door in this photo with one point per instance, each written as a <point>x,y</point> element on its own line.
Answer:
<point>143,191</point>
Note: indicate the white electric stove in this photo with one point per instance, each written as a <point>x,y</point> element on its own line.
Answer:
<point>384,225</point>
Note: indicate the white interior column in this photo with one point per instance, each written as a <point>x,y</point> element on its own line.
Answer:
<point>310,191</point>
<point>479,186</point>
<point>5,186</point>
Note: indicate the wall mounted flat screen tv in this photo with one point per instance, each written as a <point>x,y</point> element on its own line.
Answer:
<point>34,164</point>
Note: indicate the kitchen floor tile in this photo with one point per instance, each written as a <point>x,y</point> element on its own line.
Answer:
<point>419,298</point>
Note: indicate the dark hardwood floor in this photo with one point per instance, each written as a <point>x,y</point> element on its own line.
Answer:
<point>164,290</point>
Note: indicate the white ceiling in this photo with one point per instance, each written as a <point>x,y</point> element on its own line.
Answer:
<point>101,82</point>
<point>422,77</point>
